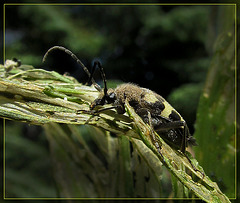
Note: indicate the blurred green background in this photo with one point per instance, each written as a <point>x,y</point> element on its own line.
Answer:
<point>167,49</point>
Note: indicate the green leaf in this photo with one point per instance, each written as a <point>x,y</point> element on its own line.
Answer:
<point>215,125</point>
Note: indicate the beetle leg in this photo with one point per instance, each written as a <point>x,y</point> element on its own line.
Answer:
<point>183,145</point>
<point>175,125</point>
<point>178,124</point>
<point>153,136</point>
<point>169,125</point>
<point>95,112</point>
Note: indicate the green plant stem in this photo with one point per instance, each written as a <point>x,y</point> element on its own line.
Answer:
<point>59,98</point>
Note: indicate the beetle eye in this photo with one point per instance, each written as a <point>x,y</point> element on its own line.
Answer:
<point>112,95</point>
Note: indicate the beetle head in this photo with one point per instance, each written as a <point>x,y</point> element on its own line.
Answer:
<point>108,97</point>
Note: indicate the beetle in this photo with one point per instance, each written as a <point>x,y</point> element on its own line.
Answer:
<point>150,106</point>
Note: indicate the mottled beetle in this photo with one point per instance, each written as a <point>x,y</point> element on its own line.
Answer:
<point>151,107</point>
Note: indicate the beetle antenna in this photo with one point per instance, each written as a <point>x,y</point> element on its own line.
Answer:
<point>75,58</point>
<point>97,63</point>
<point>92,72</point>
